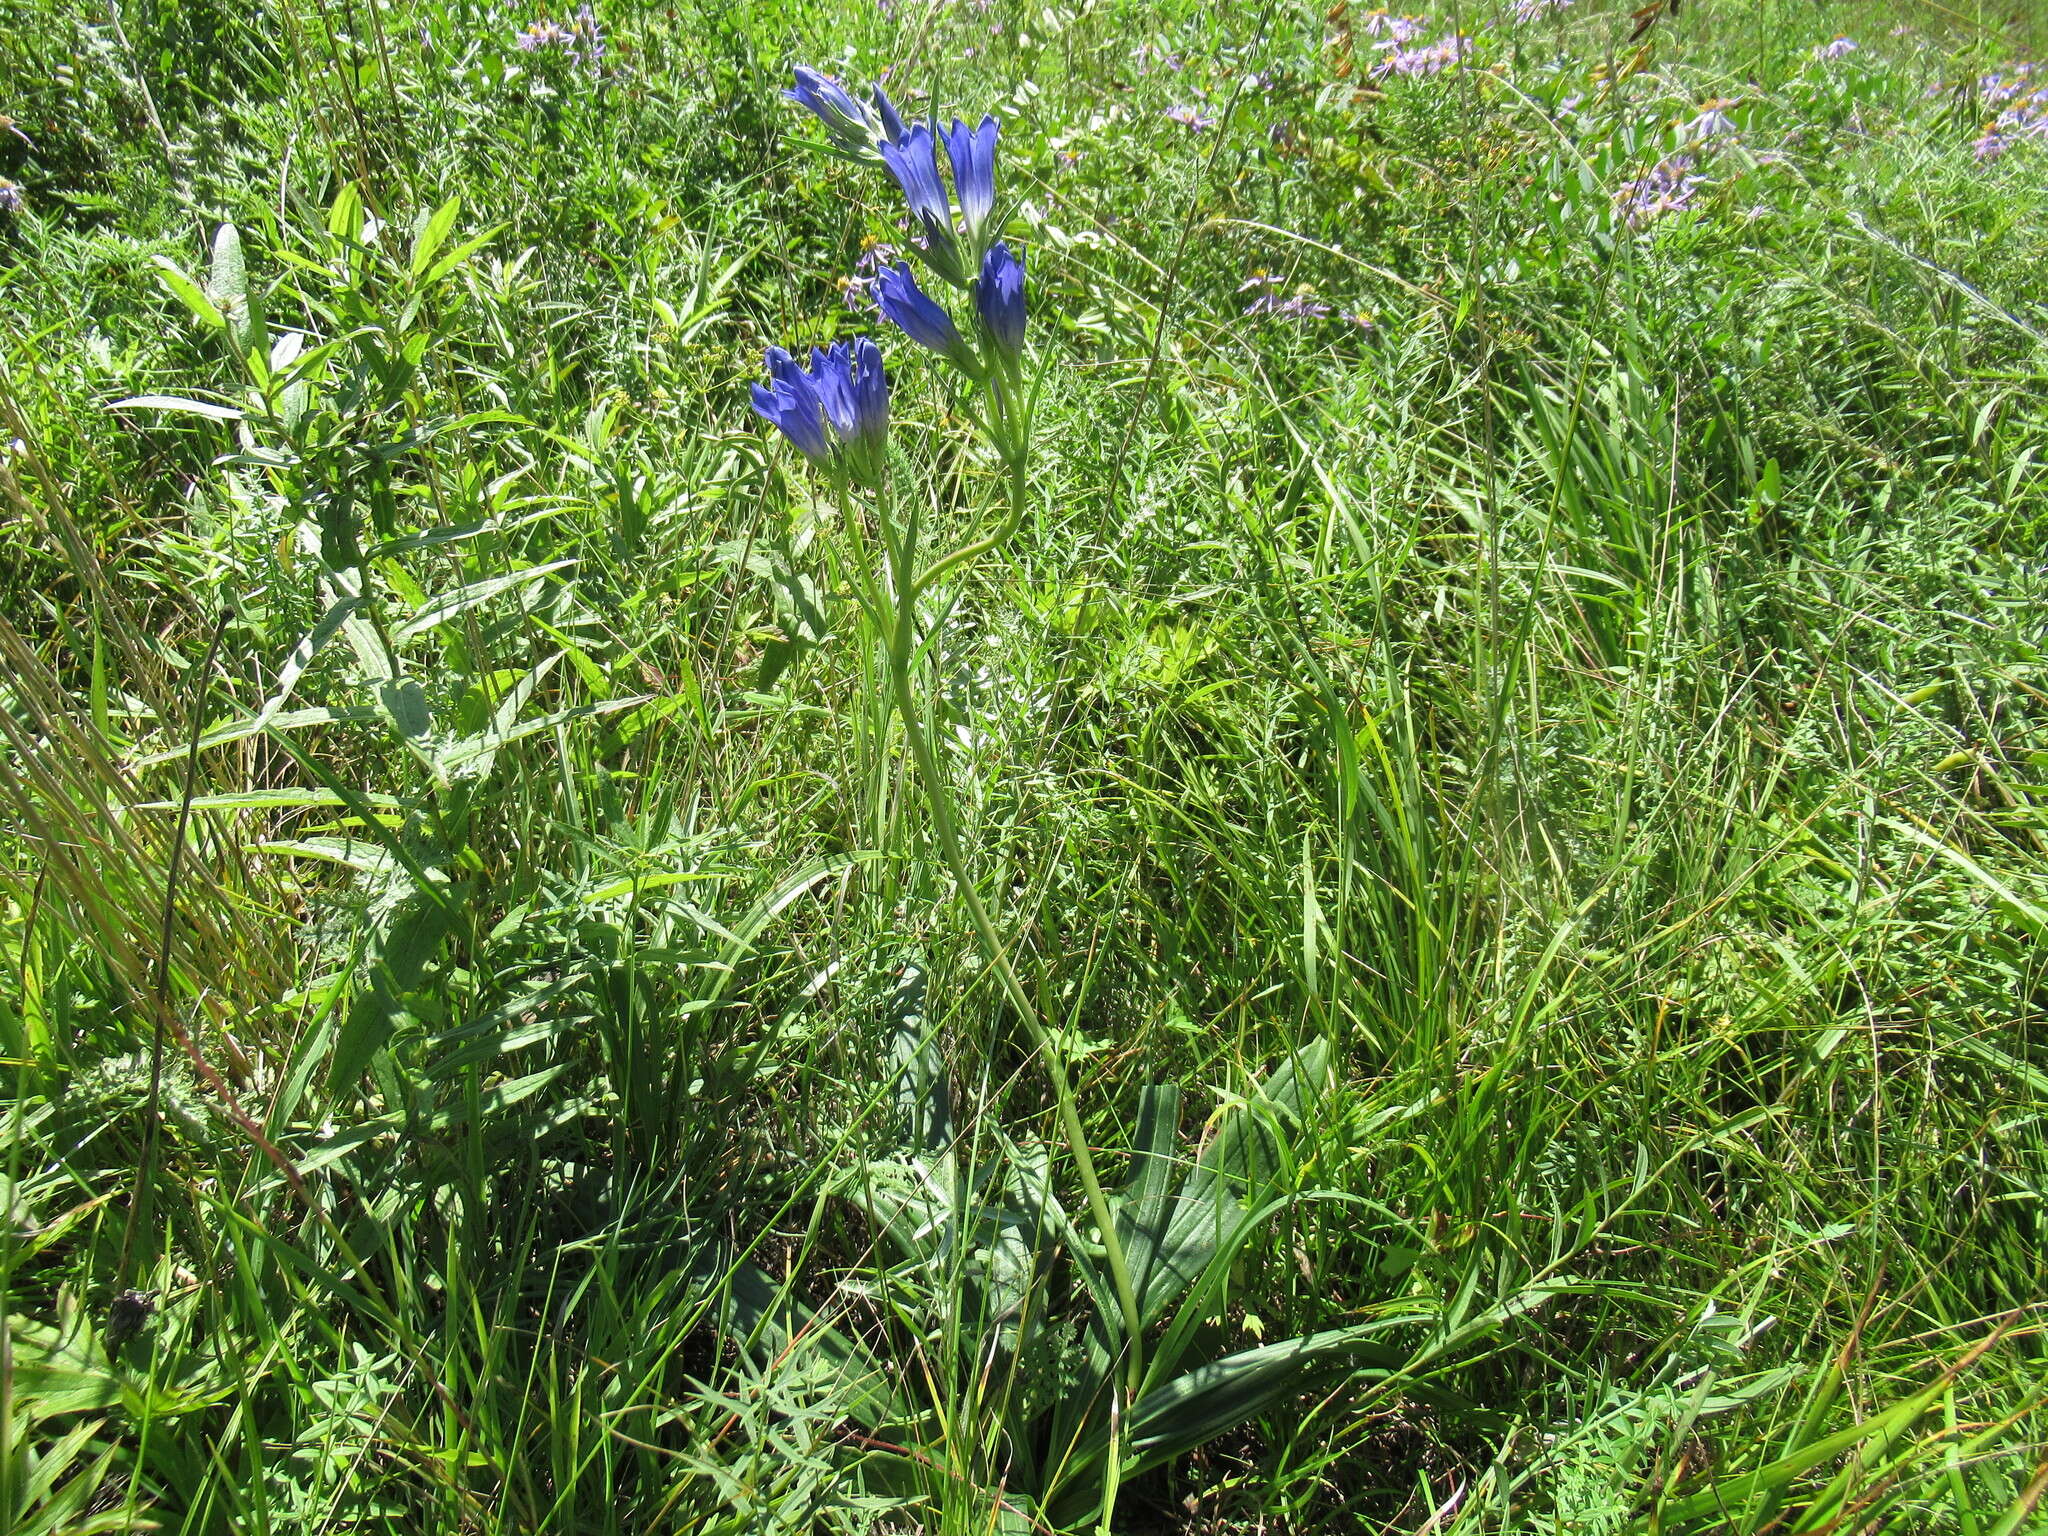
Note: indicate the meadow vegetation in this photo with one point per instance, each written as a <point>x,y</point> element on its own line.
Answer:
<point>1393,877</point>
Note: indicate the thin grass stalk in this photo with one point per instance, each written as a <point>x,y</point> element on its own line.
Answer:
<point>938,798</point>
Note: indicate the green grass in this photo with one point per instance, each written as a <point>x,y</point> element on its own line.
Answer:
<point>1520,796</point>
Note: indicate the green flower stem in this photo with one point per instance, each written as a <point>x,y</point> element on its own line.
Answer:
<point>902,650</point>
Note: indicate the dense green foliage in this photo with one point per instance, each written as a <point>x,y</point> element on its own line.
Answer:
<point>1507,762</point>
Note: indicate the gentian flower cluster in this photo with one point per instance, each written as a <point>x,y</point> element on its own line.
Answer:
<point>836,412</point>
<point>957,242</point>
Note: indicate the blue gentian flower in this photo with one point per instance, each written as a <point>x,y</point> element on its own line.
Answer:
<point>833,372</point>
<point>790,401</point>
<point>870,393</point>
<point>999,299</point>
<point>973,154</point>
<point>913,159</point>
<point>892,120</point>
<point>837,413</point>
<point>847,123</point>
<point>919,317</point>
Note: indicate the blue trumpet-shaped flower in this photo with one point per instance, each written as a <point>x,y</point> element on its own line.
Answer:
<point>892,120</point>
<point>849,125</point>
<point>791,402</point>
<point>921,318</point>
<point>973,156</point>
<point>999,300</point>
<point>841,403</point>
<point>853,390</point>
<point>913,159</point>
<point>870,393</point>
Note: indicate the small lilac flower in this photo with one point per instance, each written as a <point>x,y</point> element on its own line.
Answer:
<point>11,199</point>
<point>999,299</point>
<point>1394,31</point>
<point>544,35</point>
<point>1299,305</point>
<point>1990,146</point>
<point>1190,117</point>
<point>1414,63</point>
<point>790,401</point>
<point>972,154</point>
<point>592,36</point>
<point>911,310</point>
<point>860,285</point>
<point>1535,10</point>
<point>1667,187</point>
<point>1838,48</point>
<point>1711,122</point>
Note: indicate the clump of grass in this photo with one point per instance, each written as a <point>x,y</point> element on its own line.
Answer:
<point>1524,594</point>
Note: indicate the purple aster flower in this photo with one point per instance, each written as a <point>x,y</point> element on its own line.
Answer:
<point>972,154</point>
<point>541,35</point>
<point>911,310</point>
<point>592,36</point>
<point>1535,10</point>
<point>1839,48</point>
<point>1711,122</point>
<point>1990,146</point>
<point>860,286</point>
<point>999,299</point>
<point>11,199</point>
<point>1667,187</point>
<point>1299,305</point>
<point>1414,63</point>
<point>1190,117</point>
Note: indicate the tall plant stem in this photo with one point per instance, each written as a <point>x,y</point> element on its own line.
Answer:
<point>938,797</point>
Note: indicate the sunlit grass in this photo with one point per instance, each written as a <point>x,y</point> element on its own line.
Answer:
<point>1528,596</point>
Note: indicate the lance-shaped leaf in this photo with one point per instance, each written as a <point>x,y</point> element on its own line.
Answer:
<point>1236,1166</point>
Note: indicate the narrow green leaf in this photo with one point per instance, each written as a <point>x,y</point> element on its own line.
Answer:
<point>433,235</point>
